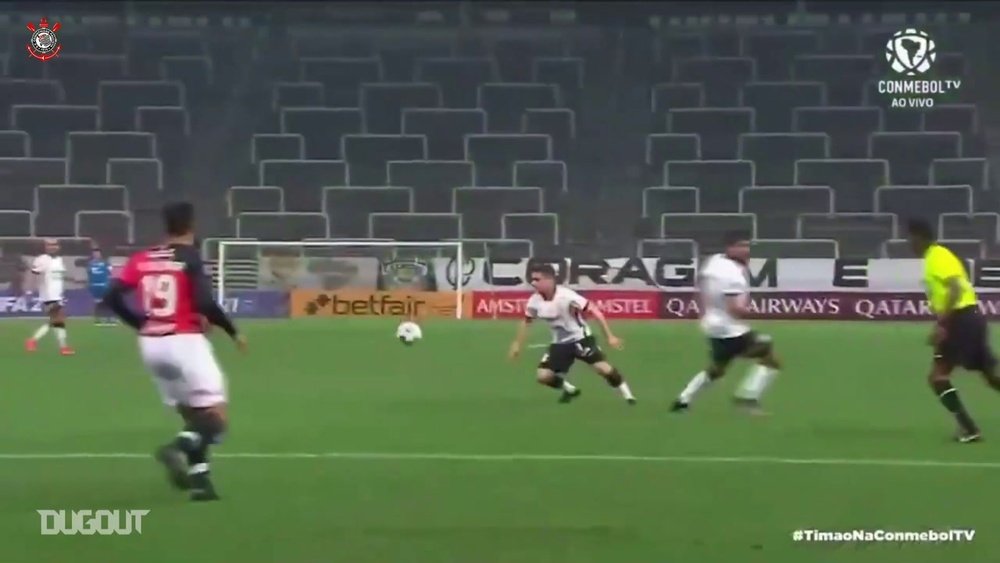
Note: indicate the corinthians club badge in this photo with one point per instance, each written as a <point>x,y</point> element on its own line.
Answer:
<point>44,44</point>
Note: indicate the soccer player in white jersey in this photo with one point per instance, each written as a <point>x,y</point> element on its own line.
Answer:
<point>50,271</point>
<point>564,309</point>
<point>724,297</point>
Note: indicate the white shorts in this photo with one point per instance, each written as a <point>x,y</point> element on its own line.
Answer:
<point>184,369</point>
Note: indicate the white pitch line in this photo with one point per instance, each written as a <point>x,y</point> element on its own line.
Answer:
<point>376,456</point>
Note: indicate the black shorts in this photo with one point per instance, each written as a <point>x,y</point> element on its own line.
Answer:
<point>747,345</point>
<point>50,306</point>
<point>966,342</point>
<point>561,356</point>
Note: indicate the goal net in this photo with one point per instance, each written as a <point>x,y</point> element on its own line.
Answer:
<point>341,278</point>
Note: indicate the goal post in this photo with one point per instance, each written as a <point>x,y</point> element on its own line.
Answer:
<point>339,267</point>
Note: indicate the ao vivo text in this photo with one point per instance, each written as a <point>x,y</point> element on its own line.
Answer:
<point>855,305</point>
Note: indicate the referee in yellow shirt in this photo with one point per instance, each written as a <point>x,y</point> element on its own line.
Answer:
<point>961,336</point>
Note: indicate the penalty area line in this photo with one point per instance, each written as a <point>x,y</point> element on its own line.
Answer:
<point>595,458</point>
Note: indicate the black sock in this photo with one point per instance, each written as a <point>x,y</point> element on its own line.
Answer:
<point>615,378</point>
<point>556,382</point>
<point>948,396</point>
<point>194,445</point>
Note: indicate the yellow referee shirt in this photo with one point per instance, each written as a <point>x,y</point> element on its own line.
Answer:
<point>941,265</point>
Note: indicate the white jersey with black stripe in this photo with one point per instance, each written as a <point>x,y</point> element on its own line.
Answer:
<point>719,280</point>
<point>563,313</point>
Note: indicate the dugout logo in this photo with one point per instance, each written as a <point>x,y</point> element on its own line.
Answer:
<point>912,53</point>
<point>44,43</point>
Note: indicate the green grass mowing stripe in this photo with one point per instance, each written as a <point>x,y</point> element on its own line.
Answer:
<point>417,456</point>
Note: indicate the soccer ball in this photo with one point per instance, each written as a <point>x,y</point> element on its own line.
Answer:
<point>409,332</point>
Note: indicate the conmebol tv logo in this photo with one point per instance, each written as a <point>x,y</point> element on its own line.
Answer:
<point>911,52</point>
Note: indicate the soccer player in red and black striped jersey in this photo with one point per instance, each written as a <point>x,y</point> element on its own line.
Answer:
<point>174,296</point>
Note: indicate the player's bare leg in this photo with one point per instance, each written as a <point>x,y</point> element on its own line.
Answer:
<point>701,380</point>
<point>758,379</point>
<point>59,328</point>
<point>555,380</point>
<point>614,378</point>
<point>940,381</point>
<point>203,427</point>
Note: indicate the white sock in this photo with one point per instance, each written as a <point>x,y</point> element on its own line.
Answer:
<point>568,387</point>
<point>625,391</point>
<point>42,331</point>
<point>61,336</point>
<point>695,385</point>
<point>755,382</point>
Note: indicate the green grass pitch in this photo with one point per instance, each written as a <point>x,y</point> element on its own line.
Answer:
<point>594,481</point>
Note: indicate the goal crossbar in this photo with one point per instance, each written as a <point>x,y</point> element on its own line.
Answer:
<point>357,243</point>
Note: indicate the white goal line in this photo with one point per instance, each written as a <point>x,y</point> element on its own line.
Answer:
<point>417,456</point>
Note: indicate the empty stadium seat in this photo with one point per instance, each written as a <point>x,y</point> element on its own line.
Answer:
<point>506,103</point>
<point>341,77</point>
<point>666,97</point>
<point>14,144</point>
<point>777,207</point>
<point>246,199</point>
<point>924,202</point>
<point>458,77</point>
<point>722,77</point>
<point>56,206</point>
<point>658,200</point>
<point>368,155</point>
<point>38,92</point>
<point>719,128</point>
<point>193,71</point>
<point>844,75</point>
<point>81,73</point>
<point>432,181</point>
<point>707,229</point>
<point>661,147</point>
<point>774,102</point>
<point>858,235</point>
<point>482,209</point>
<point>910,155</point>
<point>383,103</point>
<point>89,152</point>
<point>853,180</point>
<point>16,223</point>
<point>682,249</point>
<point>48,125</point>
<point>568,73</point>
<point>303,180</point>
<point>170,124</point>
<point>848,127</point>
<point>142,177</point>
<point>445,129</point>
<point>495,155</point>
<point>323,129</point>
<point>297,95</point>
<point>961,171</point>
<point>349,208</point>
<point>964,249</point>
<point>774,154</point>
<point>415,226</point>
<point>558,123</point>
<point>775,52</point>
<point>550,175</point>
<point>21,175</point>
<point>795,248</point>
<point>542,229</point>
<point>719,182</point>
<point>282,226</point>
<point>982,226</point>
<point>118,100</point>
<point>109,228</point>
<point>280,146</point>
